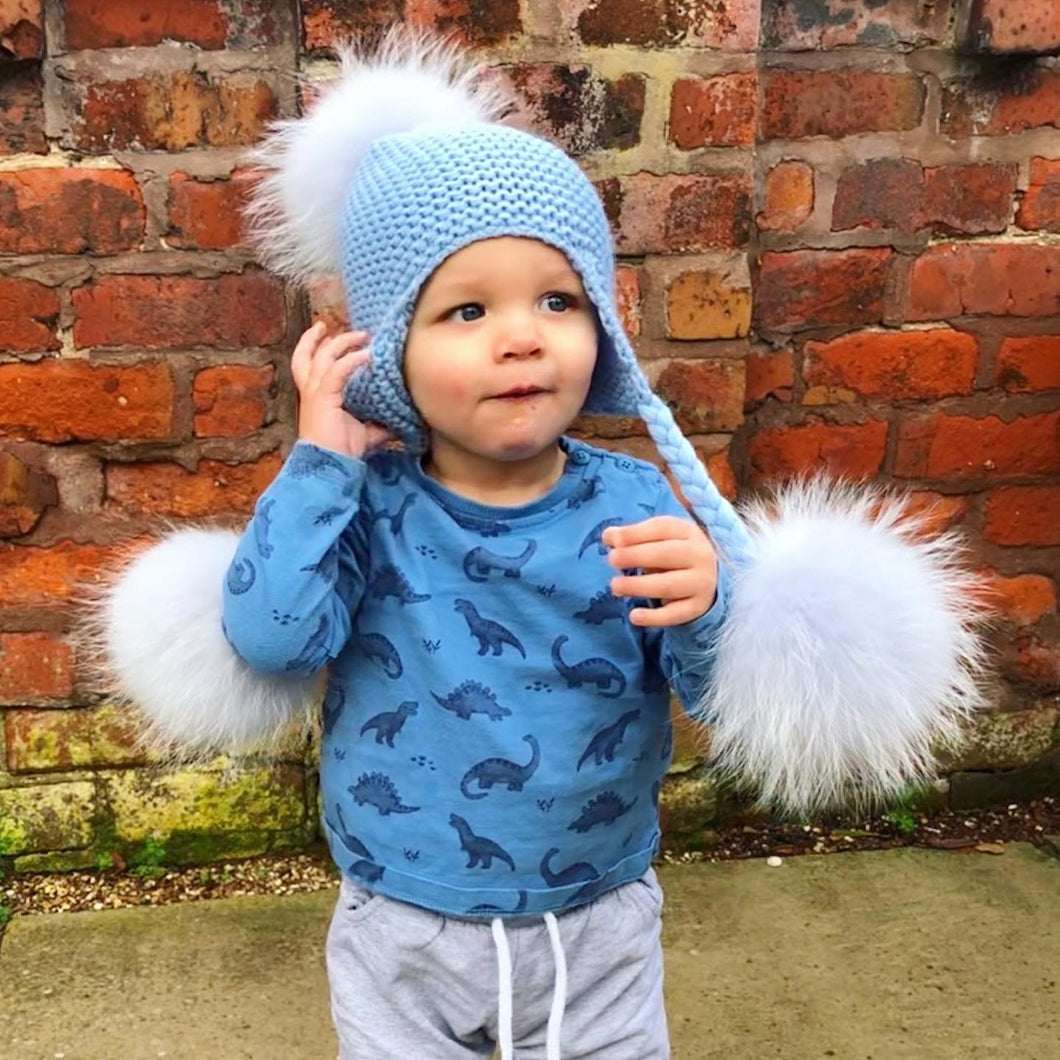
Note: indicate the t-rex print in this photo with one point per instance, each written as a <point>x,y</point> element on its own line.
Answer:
<point>594,671</point>
<point>489,634</point>
<point>388,724</point>
<point>492,771</point>
<point>602,747</point>
<point>479,849</point>
<point>480,562</point>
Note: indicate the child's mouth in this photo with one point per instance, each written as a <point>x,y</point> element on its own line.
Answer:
<point>519,393</point>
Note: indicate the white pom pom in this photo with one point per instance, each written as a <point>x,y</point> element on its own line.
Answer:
<point>413,78</point>
<point>848,653</point>
<point>158,627</point>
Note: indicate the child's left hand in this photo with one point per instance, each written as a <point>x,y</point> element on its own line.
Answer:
<point>679,563</point>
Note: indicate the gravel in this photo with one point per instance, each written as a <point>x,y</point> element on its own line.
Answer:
<point>979,831</point>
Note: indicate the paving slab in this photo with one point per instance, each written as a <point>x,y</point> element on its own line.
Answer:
<point>896,955</point>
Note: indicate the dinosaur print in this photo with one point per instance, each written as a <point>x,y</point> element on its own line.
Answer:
<point>606,741</point>
<point>240,577</point>
<point>379,648</point>
<point>594,671</point>
<point>520,907</point>
<point>365,866</point>
<point>472,698</point>
<point>334,701</point>
<point>579,872</point>
<point>479,849</point>
<point>314,654</point>
<point>326,568</point>
<point>593,536</point>
<point>262,526</point>
<point>603,606</point>
<point>489,634</point>
<point>606,808</point>
<point>308,460</point>
<point>485,527</point>
<point>396,519</point>
<point>388,724</point>
<point>492,771</point>
<point>377,789</point>
<point>389,581</point>
<point>585,491</point>
<point>668,743</point>
<point>480,562</point>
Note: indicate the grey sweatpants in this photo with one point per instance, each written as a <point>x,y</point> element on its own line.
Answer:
<point>409,984</point>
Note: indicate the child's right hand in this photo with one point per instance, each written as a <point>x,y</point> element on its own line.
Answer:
<point>320,366</point>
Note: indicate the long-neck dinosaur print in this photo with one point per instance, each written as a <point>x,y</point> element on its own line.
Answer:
<point>606,741</point>
<point>608,678</point>
<point>492,771</point>
<point>480,562</point>
<point>579,872</point>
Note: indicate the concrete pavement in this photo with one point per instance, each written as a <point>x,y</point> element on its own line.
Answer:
<point>896,955</point>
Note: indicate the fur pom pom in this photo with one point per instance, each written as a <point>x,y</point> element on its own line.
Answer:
<point>849,651</point>
<point>413,78</point>
<point>157,627</point>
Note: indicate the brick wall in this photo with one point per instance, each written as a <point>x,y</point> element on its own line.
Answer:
<point>839,230</point>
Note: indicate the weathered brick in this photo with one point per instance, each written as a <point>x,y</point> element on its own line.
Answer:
<point>826,24</point>
<point>121,23</point>
<point>579,109</point>
<point>705,395</point>
<point>788,196</point>
<point>62,401</point>
<point>230,399</point>
<point>957,279</point>
<point>969,198</point>
<point>42,740</point>
<point>810,288</point>
<point>21,109</point>
<point>29,315</point>
<point>892,365</point>
<point>170,312</point>
<point>729,25</point>
<point>1040,208</point>
<point>936,512</point>
<point>205,214</point>
<point>716,111</point>
<point>1037,663</point>
<point>41,817</point>
<point>705,305</point>
<point>678,214</point>
<point>944,446</point>
<point>328,22</point>
<point>1023,516</point>
<point>22,29</point>
<point>770,375</point>
<point>853,451</point>
<point>838,103</point>
<point>1002,27</point>
<point>1002,740</point>
<point>1019,97</point>
<point>24,494</point>
<point>1024,598</point>
<point>35,669</point>
<point>1029,362</point>
<point>47,577</point>
<point>171,112</point>
<point>70,211</point>
<point>167,489</point>
<point>627,294</point>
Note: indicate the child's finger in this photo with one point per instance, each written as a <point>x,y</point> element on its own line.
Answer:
<point>334,349</point>
<point>667,554</point>
<point>657,528</point>
<point>302,356</point>
<point>334,377</point>
<point>653,585</point>
<point>673,613</point>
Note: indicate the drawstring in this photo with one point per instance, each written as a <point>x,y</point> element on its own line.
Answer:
<point>504,989</point>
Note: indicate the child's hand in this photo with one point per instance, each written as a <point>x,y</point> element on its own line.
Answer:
<point>320,367</point>
<point>680,565</point>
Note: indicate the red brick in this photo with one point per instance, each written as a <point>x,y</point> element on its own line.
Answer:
<point>172,112</point>
<point>838,103</point>
<point>957,279</point>
<point>714,111</point>
<point>1029,363</point>
<point>21,109</point>
<point>707,305</point>
<point>35,669</point>
<point>1024,599</point>
<point>788,197</point>
<point>705,395</point>
<point>943,446</point>
<point>729,25</point>
<point>230,399</point>
<point>678,214</point>
<point>882,193</point>
<point>770,375</point>
<point>121,23</point>
<point>167,489</point>
<point>1038,664</point>
<point>47,578</point>
<point>1023,97</point>
<point>1040,208</point>
<point>849,451</point>
<point>70,211</point>
<point>170,312</point>
<point>205,214</point>
<point>936,511</point>
<point>627,287</point>
<point>823,26</point>
<point>24,494</point>
<point>1010,27</point>
<point>29,315</point>
<point>62,401</point>
<point>810,288</point>
<point>22,29</point>
<point>1023,516</point>
<point>578,108</point>
<point>42,740</point>
<point>969,198</point>
<point>892,365</point>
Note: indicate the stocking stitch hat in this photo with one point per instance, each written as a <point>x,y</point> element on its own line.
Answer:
<point>848,651</point>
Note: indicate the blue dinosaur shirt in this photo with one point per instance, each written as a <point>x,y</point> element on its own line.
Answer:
<point>495,730</point>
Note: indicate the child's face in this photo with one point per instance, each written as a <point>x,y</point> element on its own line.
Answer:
<point>500,352</point>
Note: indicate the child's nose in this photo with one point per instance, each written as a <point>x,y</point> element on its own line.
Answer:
<point>521,337</point>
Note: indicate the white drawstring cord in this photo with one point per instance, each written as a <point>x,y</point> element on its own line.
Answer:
<point>559,991</point>
<point>504,988</point>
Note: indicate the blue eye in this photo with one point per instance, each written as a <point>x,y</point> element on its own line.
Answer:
<point>467,312</point>
<point>557,302</point>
